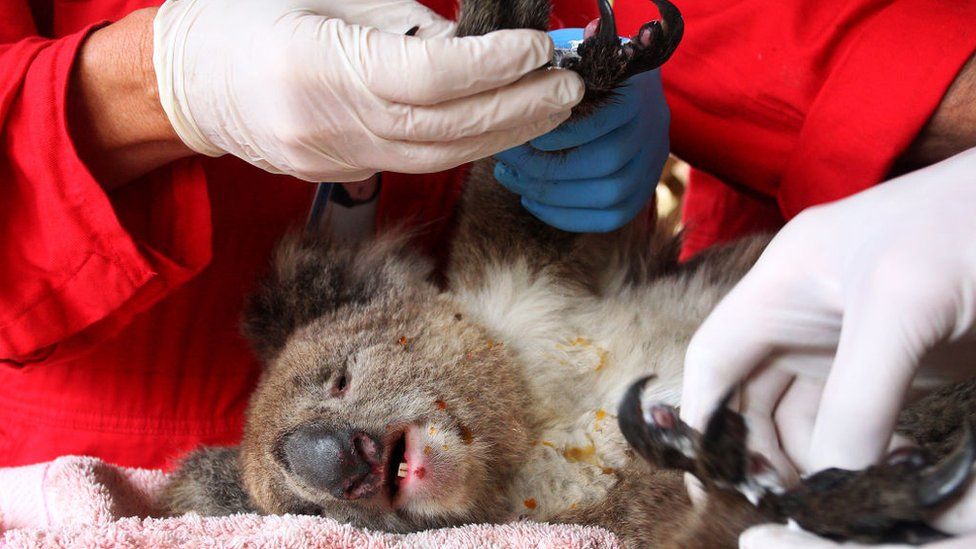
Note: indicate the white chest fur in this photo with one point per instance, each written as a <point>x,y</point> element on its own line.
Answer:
<point>580,353</point>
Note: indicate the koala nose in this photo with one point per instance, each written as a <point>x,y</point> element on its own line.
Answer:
<point>347,463</point>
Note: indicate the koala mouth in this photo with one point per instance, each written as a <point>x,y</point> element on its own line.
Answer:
<point>396,465</point>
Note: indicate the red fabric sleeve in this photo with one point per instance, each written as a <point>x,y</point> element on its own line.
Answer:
<point>71,269</point>
<point>802,102</point>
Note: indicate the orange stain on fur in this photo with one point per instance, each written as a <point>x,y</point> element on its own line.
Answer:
<point>530,503</point>
<point>604,354</point>
<point>576,453</point>
<point>441,405</point>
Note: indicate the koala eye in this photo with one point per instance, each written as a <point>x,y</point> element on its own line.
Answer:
<point>339,385</point>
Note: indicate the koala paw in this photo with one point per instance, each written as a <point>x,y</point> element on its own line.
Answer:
<point>604,63</point>
<point>654,42</point>
<point>884,503</point>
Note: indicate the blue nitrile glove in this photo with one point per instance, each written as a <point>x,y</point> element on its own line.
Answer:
<point>616,159</point>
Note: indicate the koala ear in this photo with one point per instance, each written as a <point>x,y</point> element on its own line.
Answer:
<point>208,482</point>
<point>315,275</point>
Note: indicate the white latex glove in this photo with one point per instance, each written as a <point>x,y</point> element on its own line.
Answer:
<point>333,90</point>
<point>849,302</point>
<point>775,536</point>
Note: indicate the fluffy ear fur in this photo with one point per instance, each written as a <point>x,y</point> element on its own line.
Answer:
<point>312,276</point>
<point>208,482</point>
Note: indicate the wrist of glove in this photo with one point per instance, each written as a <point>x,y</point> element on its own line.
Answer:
<point>335,90</point>
<point>609,164</point>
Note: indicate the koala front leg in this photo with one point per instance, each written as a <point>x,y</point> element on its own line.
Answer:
<point>207,482</point>
<point>494,229</point>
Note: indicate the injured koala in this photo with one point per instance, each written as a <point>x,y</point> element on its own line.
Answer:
<point>396,403</point>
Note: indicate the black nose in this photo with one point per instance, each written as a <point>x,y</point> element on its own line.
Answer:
<point>347,463</point>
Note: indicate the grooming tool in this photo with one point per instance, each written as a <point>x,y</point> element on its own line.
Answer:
<point>319,204</point>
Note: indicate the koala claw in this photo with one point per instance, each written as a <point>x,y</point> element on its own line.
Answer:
<point>655,41</point>
<point>656,432</point>
<point>604,64</point>
<point>887,503</point>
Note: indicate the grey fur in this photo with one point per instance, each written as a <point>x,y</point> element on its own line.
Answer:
<point>208,481</point>
<point>484,16</point>
<point>405,345</point>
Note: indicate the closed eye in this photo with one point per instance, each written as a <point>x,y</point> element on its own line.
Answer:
<point>339,385</point>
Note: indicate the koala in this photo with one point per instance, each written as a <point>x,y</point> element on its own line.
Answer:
<point>398,398</point>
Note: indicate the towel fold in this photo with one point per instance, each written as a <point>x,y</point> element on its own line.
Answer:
<point>84,502</point>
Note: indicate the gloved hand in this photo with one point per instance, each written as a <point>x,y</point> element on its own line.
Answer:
<point>334,90</point>
<point>776,536</point>
<point>849,304</point>
<point>611,164</point>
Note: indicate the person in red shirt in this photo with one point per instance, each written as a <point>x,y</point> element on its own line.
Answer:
<point>124,257</point>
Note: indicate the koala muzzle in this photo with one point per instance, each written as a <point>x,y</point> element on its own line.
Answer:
<point>346,463</point>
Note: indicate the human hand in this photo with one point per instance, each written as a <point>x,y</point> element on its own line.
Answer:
<point>777,536</point>
<point>335,90</point>
<point>849,302</point>
<point>611,163</point>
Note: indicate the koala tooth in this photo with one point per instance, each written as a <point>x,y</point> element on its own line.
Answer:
<point>402,471</point>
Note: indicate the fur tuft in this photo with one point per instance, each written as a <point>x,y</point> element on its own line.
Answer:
<point>314,276</point>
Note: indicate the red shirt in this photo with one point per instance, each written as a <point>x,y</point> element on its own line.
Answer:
<point>119,311</point>
<point>795,103</point>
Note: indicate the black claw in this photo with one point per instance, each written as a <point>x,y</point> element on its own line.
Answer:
<point>659,446</point>
<point>672,23</point>
<point>719,423</point>
<point>724,450</point>
<point>630,417</point>
<point>664,37</point>
<point>947,478</point>
<point>666,33</point>
<point>607,27</point>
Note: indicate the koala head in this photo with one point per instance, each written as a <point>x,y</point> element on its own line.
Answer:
<point>382,404</point>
